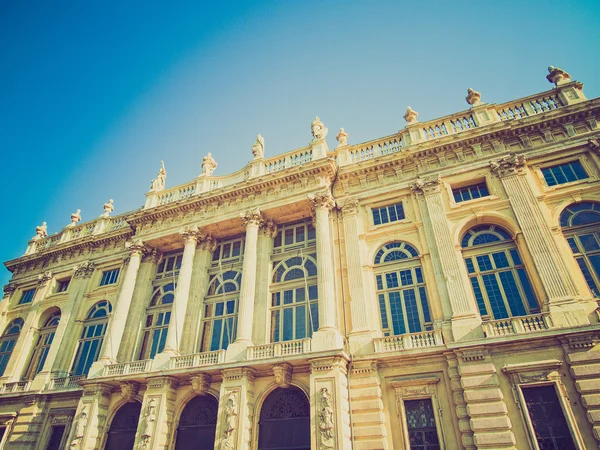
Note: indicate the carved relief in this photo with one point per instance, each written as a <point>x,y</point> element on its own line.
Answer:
<point>252,217</point>
<point>283,374</point>
<point>349,206</point>
<point>509,165</point>
<point>322,200</point>
<point>79,428</point>
<point>201,383</point>
<point>231,416</point>
<point>44,278</point>
<point>326,425</point>
<point>129,389</point>
<point>9,289</point>
<point>427,185</point>
<point>84,269</point>
<point>147,425</point>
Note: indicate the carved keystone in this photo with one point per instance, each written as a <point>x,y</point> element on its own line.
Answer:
<point>129,389</point>
<point>201,383</point>
<point>283,374</point>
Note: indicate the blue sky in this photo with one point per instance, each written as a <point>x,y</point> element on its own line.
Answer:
<point>94,94</point>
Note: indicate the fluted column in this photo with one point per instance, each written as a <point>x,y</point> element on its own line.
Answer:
<point>260,332</point>
<point>328,336</point>
<point>116,325</point>
<point>450,272</point>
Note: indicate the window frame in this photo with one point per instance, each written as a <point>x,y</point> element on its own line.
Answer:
<point>157,311</point>
<point>42,347</point>
<point>91,322</point>
<point>591,171</point>
<point>9,337</point>
<point>387,206</point>
<point>26,292</point>
<point>60,284</point>
<point>469,186</point>
<point>107,271</point>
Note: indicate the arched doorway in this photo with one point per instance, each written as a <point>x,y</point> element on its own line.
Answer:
<point>197,425</point>
<point>121,435</point>
<point>285,421</point>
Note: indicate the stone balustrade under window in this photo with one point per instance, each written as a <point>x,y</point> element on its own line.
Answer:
<point>127,368</point>
<point>285,348</point>
<point>425,339</point>
<point>15,386</point>
<point>517,325</point>
<point>68,382</point>
<point>197,360</point>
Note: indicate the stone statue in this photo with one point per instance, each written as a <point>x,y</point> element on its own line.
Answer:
<point>108,208</point>
<point>75,217</point>
<point>342,137</point>
<point>318,129</point>
<point>79,427</point>
<point>41,231</point>
<point>231,413</point>
<point>411,115</point>
<point>258,149</point>
<point>557,76</point>
<point>326,420</point>
<point>158,183</point>
<point>208,164</point>
<point>148,423</point>
<point>473,97</point>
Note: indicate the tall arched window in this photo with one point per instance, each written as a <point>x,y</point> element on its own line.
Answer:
<point>294,298</point>
<point>497,274</point>
<point>197,424</point>
<point>158,316</point>
<point>401,290</point>
<point>92,337</point>
<point>44,341</point>
<point>220,310</point>
<point>580,224</point>
<point>8,341</point>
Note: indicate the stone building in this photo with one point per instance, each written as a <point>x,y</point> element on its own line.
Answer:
<point>433,289</point>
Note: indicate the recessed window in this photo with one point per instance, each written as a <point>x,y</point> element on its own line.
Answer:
<point>109,277</point>
<point>471,192</point>
<point>27,296</point>
<point>420,420</point>
<point>290,237</point>
<point>564,173</point>
<point>169,266</point>
<point>63,285</point>
<point>390,213</point>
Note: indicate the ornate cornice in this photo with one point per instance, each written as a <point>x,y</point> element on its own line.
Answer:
<point>509,165</point>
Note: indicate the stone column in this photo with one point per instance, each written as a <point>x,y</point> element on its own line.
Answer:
<point>236,408</point>
<point>328,336</point>
<point>330,407</point>
<point>237,350</point>
<point>557,282</point>
<point>449,269</point>
<point>195,311</point>
<point>118,319</point>
<point>260,332</point>
<point>88,428</point>
<point>26,432</point>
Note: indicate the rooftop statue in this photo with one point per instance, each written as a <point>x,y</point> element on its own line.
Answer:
<point>41,231</point>
<point>208,164</point>
<point>108,208</point>
<point>411,115</point>
<point>557,76</point>
<point>342,137</point>
<point>473,97</point>
<point>258,149</point>
<point>158,183</point>
<point>318,129</point>
<point>75,217</point>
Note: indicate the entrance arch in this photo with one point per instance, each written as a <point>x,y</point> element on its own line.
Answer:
<point>197,424</point>
<point>121,435</point>
<point>285,421</point>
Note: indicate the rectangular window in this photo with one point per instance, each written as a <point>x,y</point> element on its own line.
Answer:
<point>294,236</point>
<point>56,437</point>
<point>549,424</point>
<point>390,213</point>
<point>420,421</point>
<point>27,296</point>
<point>109,277</point>
<point>564,173</point>
<point>471,192</point>
<point>63,285</point>
<point>169,266</point>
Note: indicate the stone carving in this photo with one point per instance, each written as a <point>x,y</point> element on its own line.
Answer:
<point>557,76</point>
<point>322,200</point>
<point>509,165</point>
<point>129,389</point>
<point>252,217</point>
<point>326,427</point>
<point>349,206</point>
<point>148,422</point>
<point>473,97</point>
<point>283,374</point>
<point>158,183</point>
<point>594,144</point>
<point>201,383</point>
<point>427,185</point>
<point>190,232</point>
<point>342,138</point>
<point>79,426</point>
<point>258,149</point>
<point>84,269</point>
<point>411,115</point>
<point>269,228</point>
<point>136,246</point>
<point>108,208</point>
<point>9,289</point>
<point>208,164</point>
<point>75,217</point>
<point>231,414</point>
<point>44,278</point>
<point>318,129</point>
<point>41,231</point>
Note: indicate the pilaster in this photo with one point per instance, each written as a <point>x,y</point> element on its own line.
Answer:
<point>157,418</point>
<point>236,409</point>
<point>464,420</point>
<point>260,334</point>
<point>29,422</point>
<point>88,429</point>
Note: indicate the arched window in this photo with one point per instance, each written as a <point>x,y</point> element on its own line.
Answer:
<point>197,424</point>
<point>44,341</point>
<point>8,341</point>
<point>121,435</point>
<point>497,274</point>
<point>285,420</point>
<point>220,310</point>
<point>92,337</point>
<point>580,224</point>
<point>401,290</point>
<point>158,316</point>
<point>294,298</point>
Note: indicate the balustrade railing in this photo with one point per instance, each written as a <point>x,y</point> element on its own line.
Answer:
<point>68,382</point>
<point>517,325</point>
<point>197,359</point>
<point>127,368</point>
<point>15,386</point>
<point>286,348</point>
<point>291,159</point>
<point>409,341</point>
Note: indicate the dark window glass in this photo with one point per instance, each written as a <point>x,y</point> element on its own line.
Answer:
<point>422,433</point>
<point>564,173</point>
<point>27,296</point>
<point>109,277</point>
<point>386,214</point>
<point>471,192</point>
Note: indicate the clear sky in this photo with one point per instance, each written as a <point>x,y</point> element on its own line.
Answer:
<point>94,94</point>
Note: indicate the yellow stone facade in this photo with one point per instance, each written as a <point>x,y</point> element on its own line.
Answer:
<point>442,280</point>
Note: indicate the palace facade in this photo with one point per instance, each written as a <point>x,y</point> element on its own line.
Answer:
<point>433,289</point>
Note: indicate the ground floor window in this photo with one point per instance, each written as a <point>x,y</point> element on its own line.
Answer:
<point>420,421</point>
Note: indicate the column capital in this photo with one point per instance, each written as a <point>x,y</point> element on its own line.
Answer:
<point>136,247</point>
<point>154,255</point>
<point>239,373</point>
<point>328,363</point>
<point>84,269</point>
<point>207,242</point>
<point>511,164</point>
<point>252,217</point>
<point>269,228</point>
<point>427,185</point>
<point>322,200</point>
<point>9,289</point>
<point>348,206</point>
<point>44,278</point>
<point>191,233</point>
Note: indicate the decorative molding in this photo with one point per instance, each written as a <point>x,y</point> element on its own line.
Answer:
<point>239,373</point>
<point>414,387</point>
<point>327,364</point>
<point>283,374</point>
<point>129,390</point>
<point>191,234</point>
<point>326,420</point>
<point>84,269</point>
<point>349,206</point>
<point>511,164</point>
<point>231,420</point>
<point>136,247</point>
<point>252,217</point>
<point>153,256</point>
<point>581,341</point>
<point>9,288</point>
<point>269,228</point>
<point>201,383</point>
<point>322,199</point>
<point>427,185</point>
<point>359,368</point>
<point>162,382</point>
<point>473,355</point>
<point>43,278</point>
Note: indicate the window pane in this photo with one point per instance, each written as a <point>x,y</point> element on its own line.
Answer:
<point>513,296</point>
<point>420,421</point>
<point>397,313</point>
<point>492,290</point>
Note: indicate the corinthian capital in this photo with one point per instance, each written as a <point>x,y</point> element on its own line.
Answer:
<point>191,233</point>
<point>348,206</point>
<point>509,165</point>
<point>9,289</point>
<point>252,217</point>
<point>207,242</point>
<point>269,228</point>
<point>136,247</point>
<point>84,269</point>
<point>322,200</point>
<point>44,278</point>
<point>427,185</point>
